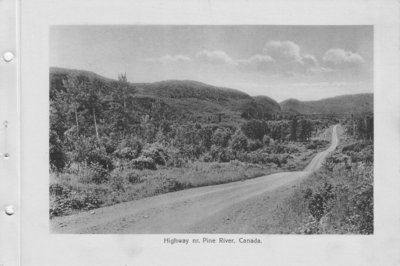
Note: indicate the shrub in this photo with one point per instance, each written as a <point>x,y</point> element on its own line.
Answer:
<point>87,150</point>
<point>219,154</point>
<point>275,159</point>
<point>278,149</point>
<point>163,184</point>
<point>116,182</point>
<point>63,200</point>
<point>58,158</point>
<point>93,173</point>
<point>318,202</point>
<point>110,143</point>
<point>239,142</point>
<point>255,129</point>
<point>316,144</point>
<point>362,217</point>
<point>143,162</point>
<point>176,158</point>
<point>191,151</point>
<point>133,177</point>
<point>157,153</point>
<point>221,137</point>
<point>254,145</point>
<point>266,140</point>
<point>205,135</point>
<point>101,158</point>
<point>129,148</point>
<point>356,146</point>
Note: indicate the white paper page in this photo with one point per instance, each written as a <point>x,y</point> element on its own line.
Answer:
<point>80,35</point>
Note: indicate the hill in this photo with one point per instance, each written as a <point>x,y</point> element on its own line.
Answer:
<point>64,72</point>
<point>199,101</point>
<point>267,105</point>
<point>345,104</point>
<point>185,97</point>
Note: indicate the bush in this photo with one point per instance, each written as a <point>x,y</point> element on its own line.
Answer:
<point>163,184</point>
<point>337,201</point>
<point>362,217</point>
<point>58,159</point>
<point>63,200</point>
<point>239,142</point>
<point>157,153</point>
<point>101,158</point>
<point>221,137</point>
<point>122,175</point>
<point>266,140</point>
<point>143,162</point>
<point>254,145</point>
<point>129,148</point>
<point>133,177</point>
<point>176,158</point>
<point>205,135</point>
<point>318,202</point>
<point>88,151</point>
<point>117,182</point>
<point>255,129</point>
<point>316,144</point>
<point>93,173</point>
<point>360,151</point>
<point>220,154</point>
<point>357,146</point>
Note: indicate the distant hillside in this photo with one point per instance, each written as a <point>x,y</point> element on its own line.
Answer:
<point>357,103</point>
<point>196,98</point>
<point>267,105</point>
<point>188,98</point>
<point>58,71</point>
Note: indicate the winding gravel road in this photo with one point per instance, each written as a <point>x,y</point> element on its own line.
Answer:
<point>237,207</point>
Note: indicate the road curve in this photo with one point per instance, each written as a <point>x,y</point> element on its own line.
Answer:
<point>206,209</point>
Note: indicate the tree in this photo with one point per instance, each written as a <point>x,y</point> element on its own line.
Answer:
<point>255,129</point>
<point>72,98</point>
<point>360,128</point>
<point>370,127</point>
<point>84,96</point>
<point>305,130</point>
<point>122,89</point>
<point>221,137</point>
<point>293,129</point>
<point>239,141</point>
<point>120,112</point>
<point>205,135</point>
<point>58,159</point>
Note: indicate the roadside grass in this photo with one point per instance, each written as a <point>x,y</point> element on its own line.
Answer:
<point>68,194</point>
<point>75,190</point>
<point>337,199</point>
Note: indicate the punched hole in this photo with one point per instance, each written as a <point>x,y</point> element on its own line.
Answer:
<point>8,56</point>
<point>9,210</point>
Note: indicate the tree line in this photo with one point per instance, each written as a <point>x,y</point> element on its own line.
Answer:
<point>95,121</point>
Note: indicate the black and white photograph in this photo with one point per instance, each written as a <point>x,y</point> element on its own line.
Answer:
<point>211,129</point>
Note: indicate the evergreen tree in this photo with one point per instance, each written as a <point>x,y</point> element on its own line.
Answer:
<point>293,129</point>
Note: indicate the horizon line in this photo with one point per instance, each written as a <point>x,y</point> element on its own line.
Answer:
<point>74,69</point>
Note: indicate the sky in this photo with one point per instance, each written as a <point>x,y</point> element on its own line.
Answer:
<point>282,62</point>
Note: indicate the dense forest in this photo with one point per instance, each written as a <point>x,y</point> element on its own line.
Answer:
<point>113,141</point>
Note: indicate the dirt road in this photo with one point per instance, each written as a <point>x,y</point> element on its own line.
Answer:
<point>238,207</point>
